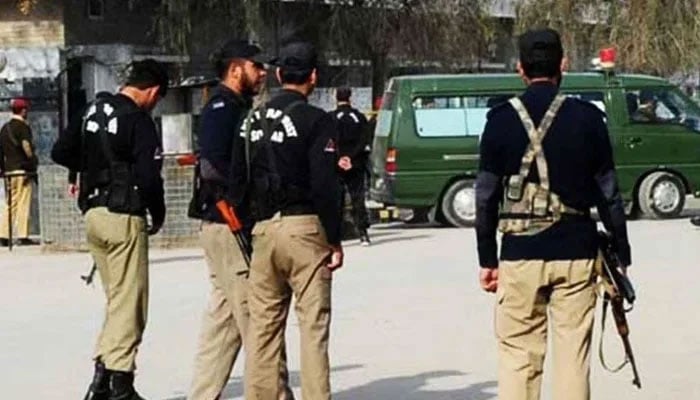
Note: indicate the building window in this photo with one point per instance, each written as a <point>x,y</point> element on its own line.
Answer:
<point>95,9</point>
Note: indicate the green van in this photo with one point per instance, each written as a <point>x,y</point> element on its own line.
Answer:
<point>425,152</point>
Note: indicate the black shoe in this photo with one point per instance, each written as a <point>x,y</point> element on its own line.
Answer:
<point>27,242</point>
<point>99,388</point>
<point>4,243</point>
<point>695,221</point>
<point>121,386</point>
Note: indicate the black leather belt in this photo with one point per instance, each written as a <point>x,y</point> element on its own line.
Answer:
<point>297,210</point>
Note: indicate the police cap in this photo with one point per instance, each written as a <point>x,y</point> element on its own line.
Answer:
<point>541,52</point>
<point>148,73</point>
<point>297,56</point>
<point>239,49</point>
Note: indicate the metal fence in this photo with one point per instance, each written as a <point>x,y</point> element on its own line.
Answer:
<point>62,224</point>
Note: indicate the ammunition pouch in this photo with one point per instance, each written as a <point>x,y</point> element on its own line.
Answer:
<point>529,208</point>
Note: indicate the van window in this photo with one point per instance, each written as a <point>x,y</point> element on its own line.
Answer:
<point>661,106</point>
<point>386,112</point>
<point>592,97</point>
<point>453,116</point>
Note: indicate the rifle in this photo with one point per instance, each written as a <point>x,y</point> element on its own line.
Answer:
<point>236,227</point>
<point>88,278</point>
<point>617,289</point>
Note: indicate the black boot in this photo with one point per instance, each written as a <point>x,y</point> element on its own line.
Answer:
<point>121,386</point>
<point>695,221</point>
<point>99,388</point>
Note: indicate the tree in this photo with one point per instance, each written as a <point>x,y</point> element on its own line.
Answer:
<point>652,36</point>
<point>447,33</point>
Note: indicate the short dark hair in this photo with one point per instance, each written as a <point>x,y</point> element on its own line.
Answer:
<point>148,73</point>
<point>541,53</point>
<point>343,93</point>
<point>295,77</point>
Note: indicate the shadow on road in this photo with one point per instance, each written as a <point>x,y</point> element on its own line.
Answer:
<point>376,242</point>
<point>234,387</point>
<point>166,260</point>
<point>397,388</point>
<point>410,388</point>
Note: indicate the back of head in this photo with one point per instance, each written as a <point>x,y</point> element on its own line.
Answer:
<point>296,62</point>
<point>541,53</point>
<point>146,74</point>
<point>342,94</point>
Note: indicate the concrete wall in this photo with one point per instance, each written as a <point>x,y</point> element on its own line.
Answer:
<point>63,228</point>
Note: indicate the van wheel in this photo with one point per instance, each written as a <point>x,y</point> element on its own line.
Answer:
<point>661,195</point>
<point>459,204</point>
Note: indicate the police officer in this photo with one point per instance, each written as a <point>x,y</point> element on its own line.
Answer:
<point>545,160</point>
<point>240,68</point>
<point>295,196</point>
<point>353,149</point>
<point>118,155</point>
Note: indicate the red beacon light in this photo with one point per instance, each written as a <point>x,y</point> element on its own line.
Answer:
<point>607,58</point>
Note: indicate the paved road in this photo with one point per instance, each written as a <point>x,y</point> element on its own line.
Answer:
<point>409,321</point>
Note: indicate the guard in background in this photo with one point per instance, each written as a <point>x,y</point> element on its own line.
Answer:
<point>295,196</point>
<point>353,148</point>
<point>545,160</point>
<point>240,67</point>
<point>18,161</point>
<point>118,156</point>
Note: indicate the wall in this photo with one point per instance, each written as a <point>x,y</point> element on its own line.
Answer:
<point>120,24</point>
<point>41,27</point>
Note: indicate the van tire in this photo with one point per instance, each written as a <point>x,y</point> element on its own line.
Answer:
<point>661,195</point>
<point>458,205</point>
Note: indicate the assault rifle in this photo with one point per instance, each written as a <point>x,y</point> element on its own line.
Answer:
<point>617,290</point>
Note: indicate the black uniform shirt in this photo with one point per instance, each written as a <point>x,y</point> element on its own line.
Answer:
<point>219,127</point>
<point>305,156</point>
<point>581,171</point>
<point>352,132</point>
<point>136,141</point>
<point>12,134</point>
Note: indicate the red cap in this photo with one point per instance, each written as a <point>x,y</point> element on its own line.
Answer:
<point>19,104</point>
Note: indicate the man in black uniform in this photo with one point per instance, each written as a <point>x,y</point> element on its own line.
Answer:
<point>117,154</point>
<point>242,72</point>
<point>545,160</point>
<point>295,196</point>
<point>353,149</point>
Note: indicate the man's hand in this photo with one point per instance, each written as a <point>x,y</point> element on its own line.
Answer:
<point>336,258</point>
<point>345,163</point>
<point>488,278</point>
<point>153,229</point>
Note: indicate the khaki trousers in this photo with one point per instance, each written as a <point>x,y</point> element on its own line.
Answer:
<point>527,290</point>
<point>21,187</point>
<point>288,258</point>
<point>225,321</point>
<point>119,245</point>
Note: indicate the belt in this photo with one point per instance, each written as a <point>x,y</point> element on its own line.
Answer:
<point>297,210</point>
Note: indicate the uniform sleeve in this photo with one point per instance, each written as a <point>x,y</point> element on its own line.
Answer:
<point>66,151</point>
<point>147,153</point>
<point>218,127</point>
<point>325,186</point>
<point>361,135</point>
<point>489,192</point>
<point>609,202</point>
